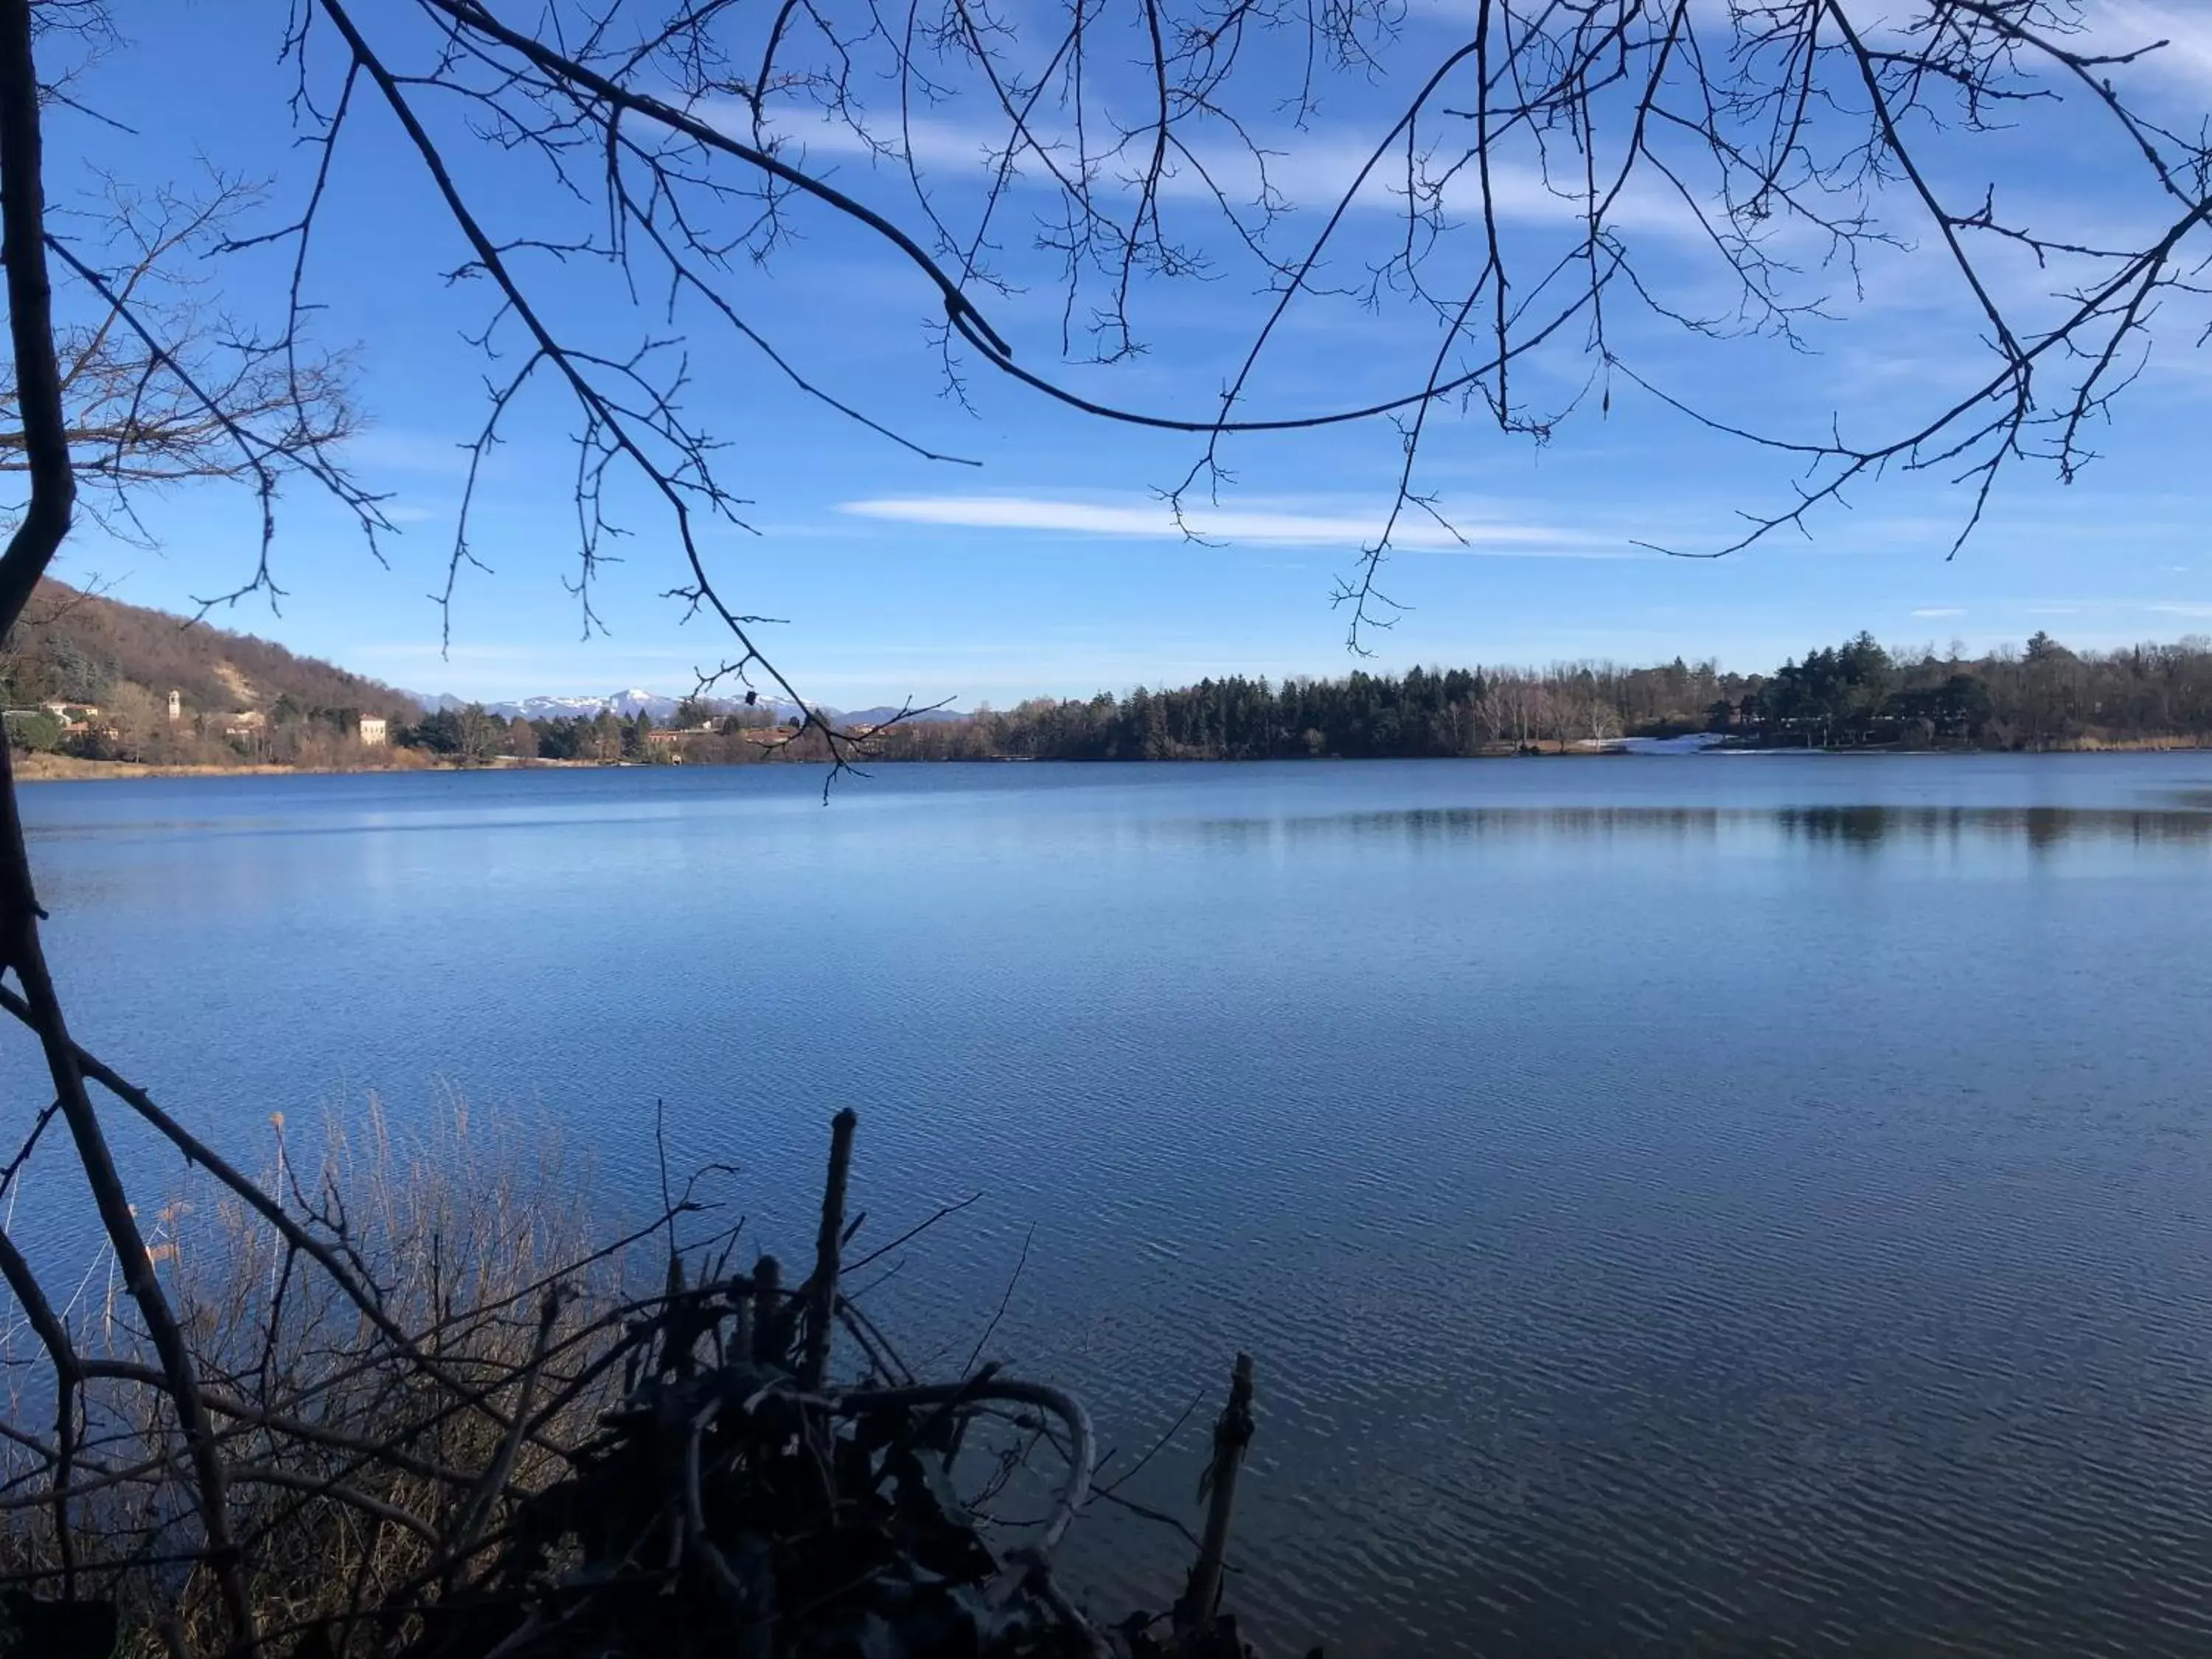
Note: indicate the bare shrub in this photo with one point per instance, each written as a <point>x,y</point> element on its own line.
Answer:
<point>355,1463</point>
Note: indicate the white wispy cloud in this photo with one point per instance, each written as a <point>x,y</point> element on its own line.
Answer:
<point>930,141</point>
<point>1314,168</point>
<point>1261,527</point>
<point>1927,610</point>
<point>2186,27</point>
<point>1319,169</point>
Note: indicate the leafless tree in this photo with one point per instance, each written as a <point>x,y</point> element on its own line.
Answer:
<point>1777,146</point>
<point>168,405</point>
<point>1537,191</point>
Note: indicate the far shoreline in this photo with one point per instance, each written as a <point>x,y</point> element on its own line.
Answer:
<point>63,769</point>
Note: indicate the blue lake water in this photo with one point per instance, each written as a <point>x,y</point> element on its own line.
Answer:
<point>1740,1203</point>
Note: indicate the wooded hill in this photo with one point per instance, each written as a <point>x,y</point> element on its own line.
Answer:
<point>84,650</point>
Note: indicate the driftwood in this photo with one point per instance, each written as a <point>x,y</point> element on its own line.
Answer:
<point>738,1503</point>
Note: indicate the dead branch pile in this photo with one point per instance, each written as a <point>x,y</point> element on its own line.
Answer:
<point>728,1465</point>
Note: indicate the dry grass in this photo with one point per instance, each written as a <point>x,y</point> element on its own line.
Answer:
<point>355,1458</point>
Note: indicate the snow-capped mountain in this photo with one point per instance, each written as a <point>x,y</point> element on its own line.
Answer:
<point>626,704</point>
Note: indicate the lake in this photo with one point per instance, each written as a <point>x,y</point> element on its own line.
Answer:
<point>1746,1203</point>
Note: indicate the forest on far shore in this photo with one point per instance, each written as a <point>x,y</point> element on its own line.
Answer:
<point>88,677</point>
<point>1856,694</point>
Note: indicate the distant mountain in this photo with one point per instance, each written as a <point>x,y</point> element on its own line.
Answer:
<point>878,716</point>
<point>625,704</point>
<point>628,704</point>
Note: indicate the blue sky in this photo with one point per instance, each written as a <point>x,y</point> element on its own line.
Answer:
<point>1053,567</point>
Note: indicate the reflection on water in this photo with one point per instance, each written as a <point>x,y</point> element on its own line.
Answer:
<point>2037,827</point>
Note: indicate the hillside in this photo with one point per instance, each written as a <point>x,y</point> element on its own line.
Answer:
<point>85,650</point>
<point>74,647</point>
